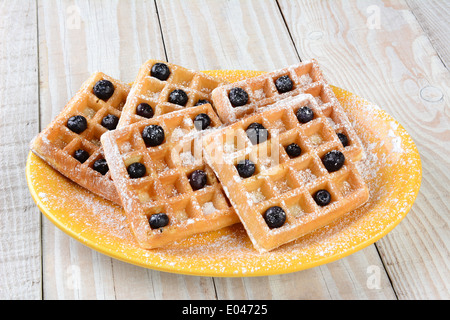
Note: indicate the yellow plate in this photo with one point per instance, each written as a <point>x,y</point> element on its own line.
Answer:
<point>392,169</point>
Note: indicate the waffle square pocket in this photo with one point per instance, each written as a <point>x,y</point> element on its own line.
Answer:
<point>167,190</point>
<point>162,88</point>
<point>71,142</point>
<point>288,170</point>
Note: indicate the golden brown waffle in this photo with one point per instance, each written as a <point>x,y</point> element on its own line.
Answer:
<point>306,77</point>
<point>57,143</point>
<point>155,92</point>
<point>280,180</point>
<point>166,188</point>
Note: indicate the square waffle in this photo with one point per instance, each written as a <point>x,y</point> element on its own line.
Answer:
<point>57,144</point>
<point>164,187</point>
<point>280,180</point>
<point>306,77</point>
<point>151,90</point>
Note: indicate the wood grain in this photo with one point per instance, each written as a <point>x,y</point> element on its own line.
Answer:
<point>346,279</point>
<point>432,15</point>
<point>20,255</point>
<point>403,74</point>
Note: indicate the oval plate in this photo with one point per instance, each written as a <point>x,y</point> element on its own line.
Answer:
<point>391,168</point>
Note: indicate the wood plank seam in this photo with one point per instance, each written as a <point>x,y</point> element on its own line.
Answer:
<point>39,129</point>
<point>160,30</point>
<point>420,18</point>
<point>386,270</point>
<point>288,30</point>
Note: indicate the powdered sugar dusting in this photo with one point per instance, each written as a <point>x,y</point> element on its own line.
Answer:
<point>79,208</point>
<point>305,80</point>
<point>306,175</point>
<point>208,208</point>
<point>256,196</point>
<point>187,158</point>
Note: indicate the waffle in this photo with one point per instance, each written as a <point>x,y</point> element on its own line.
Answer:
<point>282,181</point>
<point>155,92</point>
<point>57,144</point>
<point>306,77</point>
<point>166,188</point>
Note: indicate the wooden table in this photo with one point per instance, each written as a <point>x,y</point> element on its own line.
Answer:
<point>394,53</point>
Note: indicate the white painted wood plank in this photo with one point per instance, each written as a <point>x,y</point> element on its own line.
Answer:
<point>20,255</point>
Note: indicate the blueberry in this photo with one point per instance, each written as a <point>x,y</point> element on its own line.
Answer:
<point>110,122</point>
<point>275,217</point>
<point>293,150</point>
<point>145,110</point>
<point>284,84</point>
<point>202,121</point>
<point>160,71</point>
<point>305,114</point>
<point>198,179</point>
<point>333,160</point>
<point>202,102</point>
<point>77,124</point>
<point>153,135</point>
<point>257,133</point>
<point>343,138</point>
<point>238,97</point>
<point>136,170</point>
<point>158,220</point>
<point>178,97</point>
<point>246,168</point>
<point>101,166</point>
<point>104,89</point>
<point>322,198</point>
<point>81,155</point>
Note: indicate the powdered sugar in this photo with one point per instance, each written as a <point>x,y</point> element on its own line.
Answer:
<point>187,158</point>
<point>305,80</point>
<point>396,140</point>
<point>256,196</point>
<point>259,94</point>
<point>208,208</point>
<point>43,196</point>
<point>178,133</point>
<point>296,210</point>
<point>306,175</point>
